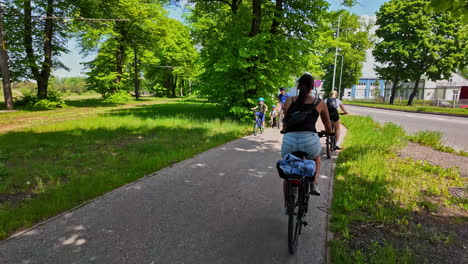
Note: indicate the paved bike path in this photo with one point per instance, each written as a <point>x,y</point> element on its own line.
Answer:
<point>222,206</point>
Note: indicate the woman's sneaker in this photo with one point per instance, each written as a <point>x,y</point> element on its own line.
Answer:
<point>314,189</point>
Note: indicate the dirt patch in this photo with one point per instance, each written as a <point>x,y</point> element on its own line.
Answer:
<point>431,239</point>
<point>15,198</point>
<point>434,157</point>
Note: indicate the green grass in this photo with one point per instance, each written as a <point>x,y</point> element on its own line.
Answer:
<point>374,187</point>
<point>418,107</point>
<point>434,139</point>
<point>63,164</point>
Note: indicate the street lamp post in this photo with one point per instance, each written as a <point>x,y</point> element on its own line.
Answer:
<point>336,53</point>
<point>341,75</point>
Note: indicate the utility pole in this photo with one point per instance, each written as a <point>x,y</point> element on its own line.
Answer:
<point>336,53</point>
<point>4,66</point>
<point>341,75</point>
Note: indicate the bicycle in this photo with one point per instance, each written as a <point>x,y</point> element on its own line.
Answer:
<point>297,193</point>
<point>258,126</point>
<point>330,142</point>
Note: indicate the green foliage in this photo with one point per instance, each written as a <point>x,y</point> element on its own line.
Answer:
<point>353,42</point>
<point>414,42</point>
<point>31,101</point>
<point>176,50</point>
<point>119,97</point>
<point>38,65</point>
<point>73,85</point>
<point>456,8</point>
<point>242,63</point>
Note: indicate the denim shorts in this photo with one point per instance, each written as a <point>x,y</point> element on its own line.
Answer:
<point>308,142</point>
<point>260,115</point>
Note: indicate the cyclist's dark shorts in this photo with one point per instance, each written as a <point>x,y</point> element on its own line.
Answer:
<point>334,116</point>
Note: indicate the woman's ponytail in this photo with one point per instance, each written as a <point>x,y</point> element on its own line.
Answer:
<point>305,85</point>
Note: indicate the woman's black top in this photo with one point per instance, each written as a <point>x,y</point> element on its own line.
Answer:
<point>311,119</point>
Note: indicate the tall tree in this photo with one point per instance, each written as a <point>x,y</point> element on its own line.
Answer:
<point>131,26</point>
<point>256,48</point>
<point>353,42</point>
<point>36,37</point>
<point>428,43</point>
<point>4,66</point>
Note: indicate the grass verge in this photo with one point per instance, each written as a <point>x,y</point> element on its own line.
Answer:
<point>433,139</point>
<point>416,107</point>
<point>47,169</point>
<point>383,205</point>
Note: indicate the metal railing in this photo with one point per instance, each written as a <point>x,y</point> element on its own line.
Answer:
<point>451,84</point>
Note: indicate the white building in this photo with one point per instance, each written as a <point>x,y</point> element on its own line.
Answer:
<point>429,90</point>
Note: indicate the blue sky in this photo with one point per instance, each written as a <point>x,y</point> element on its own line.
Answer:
<point>73,59</point>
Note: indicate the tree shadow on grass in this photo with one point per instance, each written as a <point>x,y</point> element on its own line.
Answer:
<point>96,102</point>
<point>201,112</point>
<point>59,170</point>
<point>372,221</point>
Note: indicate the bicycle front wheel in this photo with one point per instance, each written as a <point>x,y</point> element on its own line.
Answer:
<point>255,129</point>
<point>293,224</point>
<point>328,146</point>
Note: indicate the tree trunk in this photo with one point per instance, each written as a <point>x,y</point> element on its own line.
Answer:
<point>415,91</point>
<point>47,64</point>
<point>7,94</point>
<point>182,84</point>
<point>137,74</point>
<point>256,18</point>
<point>394,88</point>
<point>235,5</point>
<point>119,56</point>
<point>276,19</point>
<point>28,44</point>
<point>174,86</point>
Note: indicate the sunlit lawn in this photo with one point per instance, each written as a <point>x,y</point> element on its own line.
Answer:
<point>51,167</point>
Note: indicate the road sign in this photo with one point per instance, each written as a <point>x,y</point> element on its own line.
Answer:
<point>317,83</point>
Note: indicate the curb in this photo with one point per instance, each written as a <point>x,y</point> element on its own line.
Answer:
<point>409,111</point>
<point>328,233</point>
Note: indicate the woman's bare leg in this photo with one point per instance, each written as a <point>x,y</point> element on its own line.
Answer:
<point>318,163</point>
<point>336,126</point>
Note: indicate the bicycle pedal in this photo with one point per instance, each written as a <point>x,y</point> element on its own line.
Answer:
<point>305,223</point>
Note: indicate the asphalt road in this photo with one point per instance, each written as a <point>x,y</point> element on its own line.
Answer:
<point>455,129</point>
<point>222,206</point>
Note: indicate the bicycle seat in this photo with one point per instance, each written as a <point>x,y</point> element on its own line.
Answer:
<point>300,154</point>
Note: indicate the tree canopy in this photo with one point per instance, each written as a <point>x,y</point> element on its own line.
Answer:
<point>353,42</point>
<point>414,42</point>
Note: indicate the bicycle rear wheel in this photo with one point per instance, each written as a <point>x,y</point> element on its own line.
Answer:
<point>328,146</point>
<point>293,224</point>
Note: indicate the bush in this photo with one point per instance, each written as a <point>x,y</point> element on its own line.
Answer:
<point>31,101</point>
<point>118,98</point>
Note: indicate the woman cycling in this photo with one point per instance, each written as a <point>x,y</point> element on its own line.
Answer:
<point>332,104</point>
<point>303,136</point>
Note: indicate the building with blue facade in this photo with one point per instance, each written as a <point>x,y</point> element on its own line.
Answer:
<point>365,88</point>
